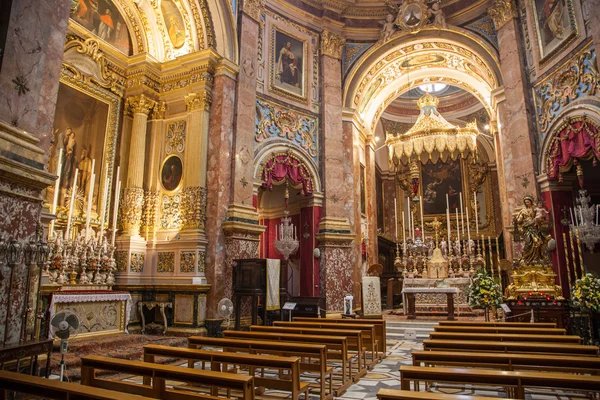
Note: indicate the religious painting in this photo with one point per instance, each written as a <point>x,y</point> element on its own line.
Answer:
<point>439,180</point>
<point>171,173</point>
<point>80,127</point>
<point>102,18</point>
<point>288,64</point>
<point>555,24</point>
<point>174,23</point>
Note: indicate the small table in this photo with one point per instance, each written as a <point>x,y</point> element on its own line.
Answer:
<point>150,305</point>
<point>409,295</point>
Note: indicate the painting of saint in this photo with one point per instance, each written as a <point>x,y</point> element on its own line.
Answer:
<point>171,173</point>
<point>174,22</point>
<point>288,61</point>
<point>80,124</point>
<point>439,180</point>
<point>553,23</point>
<point>102,18</point>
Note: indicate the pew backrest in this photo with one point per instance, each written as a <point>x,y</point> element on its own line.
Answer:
<point>505,337</point>
<point>504,330</point>
<point>500,324</point>
<point>509,347</point>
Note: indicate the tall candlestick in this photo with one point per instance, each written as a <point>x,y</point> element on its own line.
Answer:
<point>448,219</point>
<point>468,228</point>
<point>491,256</point>
<point>462,220</point>
<point>422,223</point>
<point>573,257</point>
<point>396,218</point>
<point>89,200</point>
<point>579,249</point>
<point>498,260</point>
<point>457,226</point>
<point>72,204</point>
<point>567,259</point>
<point>580,216</point>
<point>572,220</point>
<point>485,255</point>
<point>403,229</point>
<point>116,211</point>
<point>56,192</point>
<point>103,206</point>
<point>476,215</point>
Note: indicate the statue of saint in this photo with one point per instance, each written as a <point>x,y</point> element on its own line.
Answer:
<point>529,228</point>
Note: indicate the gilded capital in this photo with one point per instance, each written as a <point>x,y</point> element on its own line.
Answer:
<point>158,112</point>
<point>331,44</point>
<point>253,9</point>
<point>502,11</point>
<point>198,101</point>
<point>140,104</point>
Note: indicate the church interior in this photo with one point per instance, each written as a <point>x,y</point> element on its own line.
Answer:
<point>204,199</point>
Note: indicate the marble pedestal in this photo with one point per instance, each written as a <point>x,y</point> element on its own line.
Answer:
<point>410,303</point>
<point>438,298</point>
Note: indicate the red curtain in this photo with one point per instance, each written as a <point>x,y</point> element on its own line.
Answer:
<point>578,140</point>
<point>284,165</point>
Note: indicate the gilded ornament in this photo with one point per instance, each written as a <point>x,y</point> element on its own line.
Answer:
<point>187,261</point>
<point>198,101</point>
<point>140,104</point>
<point>149,213</point>
<point>201,261</point>
<point>121,260</point>
<point>193,208</point>
<point>253,8</point>
<point>166,262</point>
<point>137,262</point>
<point>158,112</point>
<point>332,44</point>
<point>131,209</point>
<point>478,173</point>
<point>176,135</point>
<point>502,11</point>
<point>170,212</point>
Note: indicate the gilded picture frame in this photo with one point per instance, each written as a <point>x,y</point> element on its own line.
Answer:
<point>555,26</point>
<point>73,82</point>
<point>288,65</point>
<point>171,173</point>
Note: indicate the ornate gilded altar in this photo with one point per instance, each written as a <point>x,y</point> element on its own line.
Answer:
<point>533,281</point>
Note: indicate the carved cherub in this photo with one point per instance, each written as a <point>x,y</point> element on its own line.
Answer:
<point>438,15</point>
<point>540,213</point>
<point>388,28</point>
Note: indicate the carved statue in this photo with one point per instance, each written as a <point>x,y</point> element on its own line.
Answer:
<point>529,228</point>
<point>438,15</point>
<point>388,28</point>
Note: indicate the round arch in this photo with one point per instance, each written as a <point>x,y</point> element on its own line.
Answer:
<point>263,153</point>
<point>453,56</point>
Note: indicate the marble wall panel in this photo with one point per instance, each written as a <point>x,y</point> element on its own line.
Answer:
<point>389,193</point>
<point>184,309</point>
<point>336,276</point>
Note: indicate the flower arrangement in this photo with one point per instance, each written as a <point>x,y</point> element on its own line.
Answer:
<point>484,291</point>
<point>586,293</point>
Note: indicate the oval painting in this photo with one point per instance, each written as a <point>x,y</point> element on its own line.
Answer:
<point>171,173</point>
<point>174,22</point>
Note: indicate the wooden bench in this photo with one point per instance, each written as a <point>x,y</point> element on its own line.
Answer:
<point>505,337</point>
<point>313,352</point>
<point>244,385</point>
<point>354,337</point>
<point>54,389</point>
<point>501,324</point>
<point>368,334</point>
<point>290,382</point>
<point>380,327</point>
<point>514,381</point>
<point>508,361</point>
<point>509,347</point>
<point>497,329</point>
<point>391,394</point>
<point>337,349</point>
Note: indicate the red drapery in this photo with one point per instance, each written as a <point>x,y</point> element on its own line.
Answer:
<point>578,140</point>
<point>285,165</point>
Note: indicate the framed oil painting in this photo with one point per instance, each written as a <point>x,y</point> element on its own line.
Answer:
<point>171,173</point>
<point>440,179</point>
<point>288,65</point>
<point>103,19</point>
<point>555,25</point>
<point>174,22</point>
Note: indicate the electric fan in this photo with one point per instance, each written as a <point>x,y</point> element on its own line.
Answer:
<point>225,309</point>
<point>64,325</point>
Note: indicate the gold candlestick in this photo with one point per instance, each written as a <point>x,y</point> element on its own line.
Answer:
<point>498,258</point>
<point>567,259</point>
<point>483,251</point>
<point>574,260</point>
<point>579,249</point>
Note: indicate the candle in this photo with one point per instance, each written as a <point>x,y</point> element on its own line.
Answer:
<point>462,220</point>
<point>572,220</point>
<point>448,218</point>
<point>580,251</point>
<point>498,260</point>
<point>485,255</point>
<point>567,259</point>
<point>403,229</point>
<point>468,229</point>
<point>573,258</point>
<point>422,224</point>
<point>476,217</point>
<point>116,211</point>
<point>396,218</point>
<point>103,206</point>
<point>72,205</point>
<point>457,226</point>
<point>56,191</point>
<point>89,201</point>
<point>580,216</point>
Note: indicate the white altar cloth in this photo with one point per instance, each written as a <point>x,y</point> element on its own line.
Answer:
<point>426,290</point>
<point>70,297</point>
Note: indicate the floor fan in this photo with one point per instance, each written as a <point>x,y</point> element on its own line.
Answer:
<point>225,309</point>
<point>64,326</point>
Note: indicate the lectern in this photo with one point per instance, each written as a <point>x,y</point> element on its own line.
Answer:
<point>250,279</point>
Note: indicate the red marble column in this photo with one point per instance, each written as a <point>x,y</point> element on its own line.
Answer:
<point>371,198</point>
<point>557,196</point>
<point>309,265</point>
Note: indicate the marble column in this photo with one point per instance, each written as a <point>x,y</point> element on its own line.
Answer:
<point>517,134</point>
<point>132,197</point>
<point>556,197</point>
<point>371,206</point>
<point>389,193</point>
<point>309,265</point>
<point>336,234</point>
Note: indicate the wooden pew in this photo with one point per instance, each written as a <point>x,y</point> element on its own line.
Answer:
<point>391,394</point>
<point>509,347</point>
<point>354,337</point>
<point>54,389</point>
<point>380,327</point>
<point>160,374</point>
<point>291,382</point>
<point>508,361</point>
<point>337,349</point>
<point>517,381</point>
<point>505,337</point>
<point>315,352</point>
<point>368,333</point>
<point>496,329</point>
<point>501,324</point>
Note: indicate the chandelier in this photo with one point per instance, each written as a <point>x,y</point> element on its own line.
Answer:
<point>286,239</point>
<point>431,133</point>
<point>584,221</point>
